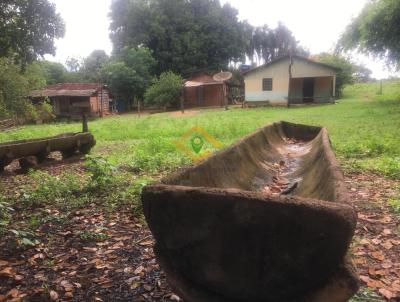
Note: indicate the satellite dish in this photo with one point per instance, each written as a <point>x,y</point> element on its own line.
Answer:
<point>222,76</point>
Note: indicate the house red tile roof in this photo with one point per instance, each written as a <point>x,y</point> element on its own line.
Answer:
<point>69,89</point>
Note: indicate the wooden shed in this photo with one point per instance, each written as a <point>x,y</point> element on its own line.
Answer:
<point>203,91</point>
<point>72,99</point>
<point>291,80</point>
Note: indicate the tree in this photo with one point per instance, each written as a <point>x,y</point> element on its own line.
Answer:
<point>345,76</point>
<point>184,35</point>
<point>73,64</point>
<point>267,44</point>
<point>28,29</point>
<point>129,74</point>
<point>375,31</point>
<point>165,91</point>
<point>362,74</point>
<point>92,65</point>
<point>15,87</point>
<point>54,72</point>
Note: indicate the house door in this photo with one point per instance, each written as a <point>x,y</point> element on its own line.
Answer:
<point>308,90</point>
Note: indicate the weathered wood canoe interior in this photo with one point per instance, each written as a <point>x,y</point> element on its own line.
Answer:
<point>28,152</point>
<point>266,219</point>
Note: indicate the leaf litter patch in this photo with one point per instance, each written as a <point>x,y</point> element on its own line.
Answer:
<point>98,254</point>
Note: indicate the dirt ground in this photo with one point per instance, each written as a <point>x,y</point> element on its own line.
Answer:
<point>121,266</point>
<point>187,113</point>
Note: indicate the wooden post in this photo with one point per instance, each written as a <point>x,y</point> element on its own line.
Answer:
<point>85,127</point>
<point>138,108</point>
<point>290,78</point>
<point>183,101</point>
<point>333,89</point>
<point>225,95</point>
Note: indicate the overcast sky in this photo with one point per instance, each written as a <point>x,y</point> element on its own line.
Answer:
<point>317,24</point>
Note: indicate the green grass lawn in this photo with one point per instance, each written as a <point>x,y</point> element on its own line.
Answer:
<point>364,129</point>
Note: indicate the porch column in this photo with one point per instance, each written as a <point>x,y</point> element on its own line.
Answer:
<point>333,88</point>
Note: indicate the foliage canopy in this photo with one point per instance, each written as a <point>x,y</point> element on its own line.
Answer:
<point>15,86</point>
<point>28,29</point>
<point>184,35</point>
<point>130,73</point>
<point>376,31</point>
<point>267,44</point>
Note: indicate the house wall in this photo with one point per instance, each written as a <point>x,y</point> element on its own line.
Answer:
<point>56,105</point>
<point>304,69</point>
<point>323,89</point>
<point>73,103</point>
<point>64,105</point>
<point>296,91</point>
<point>94,104</point>
<point>103,96</point>
<point>279,72</point>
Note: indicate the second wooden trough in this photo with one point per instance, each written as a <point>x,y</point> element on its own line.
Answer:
<point>23,150</point>
<point>267,219</point>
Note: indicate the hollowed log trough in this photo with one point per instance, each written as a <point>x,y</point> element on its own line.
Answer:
<point>30,152</point>
<point>267,219</point>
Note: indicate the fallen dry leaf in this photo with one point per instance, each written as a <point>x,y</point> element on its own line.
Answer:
<point>138,270</point>
<point>387,244</point>
<point>67,285</point>
<point>3,263</point>
<point>53,295</point>
<point>14,293</point>
<point>386,293</point>
<point>377,255</point>
<point>147,242</point>
<point>147,287</point>
<point>8,271</point>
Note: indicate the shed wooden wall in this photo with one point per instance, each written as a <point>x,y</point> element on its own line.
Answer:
<point>204,96</point>
<point>212,96</point>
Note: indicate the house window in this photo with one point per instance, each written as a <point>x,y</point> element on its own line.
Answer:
<point>267,84</point>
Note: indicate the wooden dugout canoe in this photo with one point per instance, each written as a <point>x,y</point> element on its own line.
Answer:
<point>266,219</point>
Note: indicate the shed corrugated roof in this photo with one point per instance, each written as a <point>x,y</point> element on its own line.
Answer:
<point>201,79</point>
<point>197,83</point>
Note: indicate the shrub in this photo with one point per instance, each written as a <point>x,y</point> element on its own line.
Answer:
<point>101,174</point>
<point>45,111</point>
<point>165,91</point>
